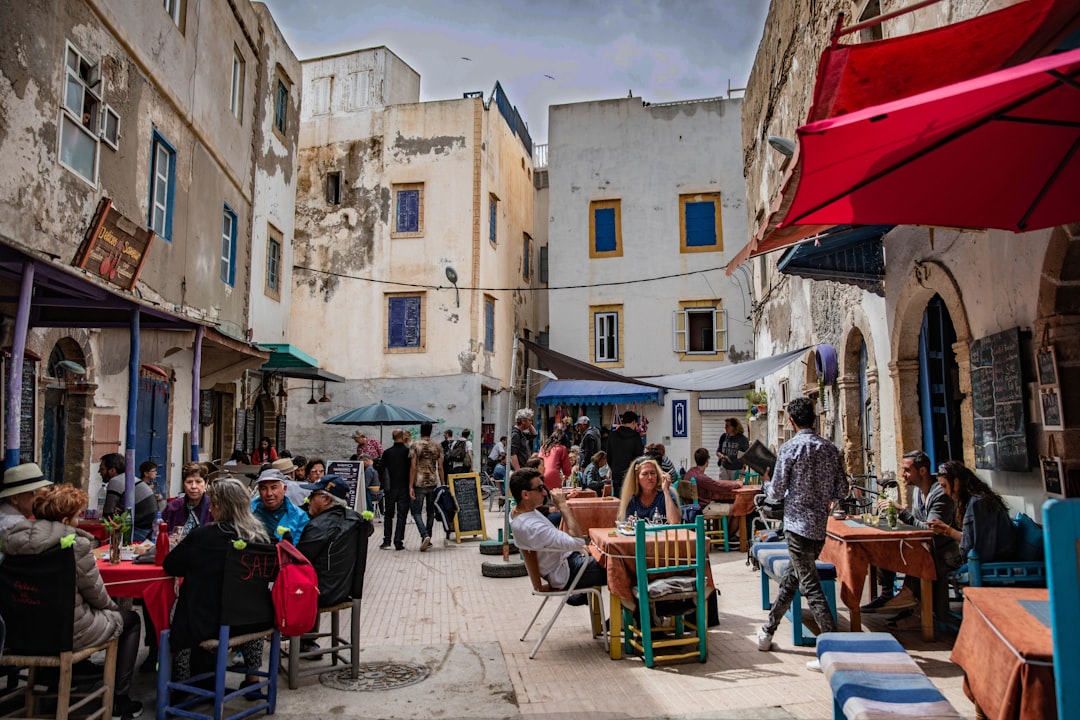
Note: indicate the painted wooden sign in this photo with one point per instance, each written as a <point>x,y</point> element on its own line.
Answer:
<point>114,248</point>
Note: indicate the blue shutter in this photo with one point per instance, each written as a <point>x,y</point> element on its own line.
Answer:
<point>404,322</point>
<point>489,325</point>
<point>493,207</point>
<point>604,224</point>
<point>700,224</point>
<point>408,211</point>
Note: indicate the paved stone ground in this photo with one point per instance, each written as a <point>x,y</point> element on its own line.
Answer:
<point>436,608</point>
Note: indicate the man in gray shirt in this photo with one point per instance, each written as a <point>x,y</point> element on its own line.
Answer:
<point>112,470</point>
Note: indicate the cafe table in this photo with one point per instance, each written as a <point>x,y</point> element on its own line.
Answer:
<point>1005,647</point>
<point>593,512</point>
<point>742,500</point>
<point>615,553</point>
<point>854,546</point>
<point>149,582</point>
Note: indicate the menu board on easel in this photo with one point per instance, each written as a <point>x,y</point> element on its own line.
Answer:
<point>997,403</point>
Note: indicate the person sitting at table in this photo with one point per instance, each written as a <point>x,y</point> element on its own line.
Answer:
<point>200,560</point>
<point>97,618</point>
<point>276,512</point>
<point>708,489</point>
<point>647,493</point>
<point>148,474</point>
<point>536,462</point>
<point>981,513</point>
<point>265,453</point>
<point>929,502</point>
<point>112,468</point>
<point>557,558</point>
<point>17,491</point>
<point>192,509</point>
<point>658,452</point>
<point>593,478</point>
<point>331,518</point>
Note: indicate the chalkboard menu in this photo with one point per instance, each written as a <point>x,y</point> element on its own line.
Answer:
<point>240,431</point>
<point>206,407</point>
<point>27,420</point>
<point>351,471</point>
<point>997,403</point>
<point>470,515</point>
<point>249,432</point>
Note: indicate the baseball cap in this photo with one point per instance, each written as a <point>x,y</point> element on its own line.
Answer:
<point>271,475</point>
<point>583,420</point>
<point>332,484</point>
<point>22,478</point>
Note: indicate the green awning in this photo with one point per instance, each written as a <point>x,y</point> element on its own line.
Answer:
<point>290,361</point>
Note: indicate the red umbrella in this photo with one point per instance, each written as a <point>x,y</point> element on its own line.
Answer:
<point>997,151</point>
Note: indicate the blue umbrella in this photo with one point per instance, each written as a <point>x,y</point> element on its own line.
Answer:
<point>380,413</point>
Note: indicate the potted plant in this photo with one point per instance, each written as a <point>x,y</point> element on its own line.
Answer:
<point>757,402</point>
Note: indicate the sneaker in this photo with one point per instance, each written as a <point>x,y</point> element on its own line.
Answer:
<point>308,645</point>
<point>124,708</point>
<point>385,546</point>
<point>577,599</point>
<point>425,544</point>
<point>876,604</point>
<point>399,547</point>
<point>764,639</point>
<point>903,600</point>
<point>813,665</point>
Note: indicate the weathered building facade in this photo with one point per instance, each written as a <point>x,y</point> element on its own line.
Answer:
<point>646,208</point>
<point>176,118</point>
<point>907,378</point>
<point>413,245</point>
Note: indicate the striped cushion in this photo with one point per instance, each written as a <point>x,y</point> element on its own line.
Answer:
<point>873,677</point>
<point>774,559</point>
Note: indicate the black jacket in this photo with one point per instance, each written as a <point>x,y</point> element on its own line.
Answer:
<point>624,446</point>
<point>590,445</point>
<point>329,541</point>
<point>396,464</point>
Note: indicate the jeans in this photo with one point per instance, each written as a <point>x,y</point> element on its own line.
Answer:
<point>139,534</point>
<point>396,505</point>
<point>425,500</point>
<point>801,574</point>
<point>594,575</point>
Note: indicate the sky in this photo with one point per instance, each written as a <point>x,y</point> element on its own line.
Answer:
<point>543,52</point>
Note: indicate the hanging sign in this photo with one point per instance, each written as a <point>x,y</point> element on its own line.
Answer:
<point>114,248</point>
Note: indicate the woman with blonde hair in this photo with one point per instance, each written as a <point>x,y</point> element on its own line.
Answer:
<point>647,494</point>
<point>733,443</point>
<point>200,560</point>
<point>97,619</point>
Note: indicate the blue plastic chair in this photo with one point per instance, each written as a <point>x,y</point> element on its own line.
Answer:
<point>245,601</point>
<point>678,554</point>
<point>1061,518</point>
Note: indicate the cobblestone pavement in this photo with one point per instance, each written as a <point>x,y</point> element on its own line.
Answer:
<point>436,608</point>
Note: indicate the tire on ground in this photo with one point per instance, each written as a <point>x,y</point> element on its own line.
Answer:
<point>500,569</point>
<point>494,547</point>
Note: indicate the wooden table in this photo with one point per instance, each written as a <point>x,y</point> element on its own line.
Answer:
<point>615,553</point>
<point>854,547</point>
<point>742,501</point>
<point>593,512</point>
<point>1005,647</point>
<point>149,582</point>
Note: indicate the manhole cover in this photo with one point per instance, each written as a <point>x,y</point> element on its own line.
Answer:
<point>376,676</point>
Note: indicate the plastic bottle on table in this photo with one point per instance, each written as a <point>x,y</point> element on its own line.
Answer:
<point>154,527</point>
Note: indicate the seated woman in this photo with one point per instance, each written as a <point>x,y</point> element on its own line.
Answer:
<point>192,509</point>
<point>647,493</point>
<point>980,512</point>
<point>200,560</point>
<point>594,477</point>
<point>97,619</point>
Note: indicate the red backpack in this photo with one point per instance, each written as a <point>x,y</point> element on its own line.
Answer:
<point>295,593</point>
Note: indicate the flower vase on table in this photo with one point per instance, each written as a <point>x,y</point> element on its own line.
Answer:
<point>115,538</point>
<point>119,527</point>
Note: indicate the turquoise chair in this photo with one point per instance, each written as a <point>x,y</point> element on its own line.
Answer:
<point>669,573</point>
<point>1061,518</point>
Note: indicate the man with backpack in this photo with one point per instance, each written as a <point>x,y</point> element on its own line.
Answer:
<point>459,457</point>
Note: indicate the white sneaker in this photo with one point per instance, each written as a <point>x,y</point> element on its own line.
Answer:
<point>813,665</point>
<point>764,639</point>
<point>425,544</point>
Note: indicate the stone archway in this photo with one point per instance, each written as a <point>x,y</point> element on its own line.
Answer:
<point>859,403</point>
<point>926,280</point>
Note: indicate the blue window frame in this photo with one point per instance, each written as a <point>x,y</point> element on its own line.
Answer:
<point>162,186</point>
<point>407,214</point>
<point>228,246</point>
<point>489,323</point>
<point>404,326</point>
<point>699,224</point>
<point>493,215</point>
<point>605,228</point>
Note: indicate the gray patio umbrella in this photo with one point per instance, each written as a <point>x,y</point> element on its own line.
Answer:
<point>380,414</point>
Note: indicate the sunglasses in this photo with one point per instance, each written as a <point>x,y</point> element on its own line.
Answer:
<point>538,488</point>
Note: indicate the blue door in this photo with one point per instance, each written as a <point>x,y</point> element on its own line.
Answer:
<point>939,395</point>
<point>152,428</point>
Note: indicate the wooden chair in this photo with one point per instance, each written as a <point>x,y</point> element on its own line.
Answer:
<point>246,604</point>
<point>340,650</point>
<point>674,551</point>
<point>37,601</point>
<point>1061,518</point>
<point>596,599</point>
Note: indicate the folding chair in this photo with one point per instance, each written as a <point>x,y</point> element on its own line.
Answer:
<point>1061,518</point>
<point>37,600</point>
<point>674,550</point>
<point>596,599</point>
<point>291,664</point>
<point>245,605</point>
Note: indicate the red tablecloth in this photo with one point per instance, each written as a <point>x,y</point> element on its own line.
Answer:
<point>149,582</point>
<point>95,528</point>
<point>1007,652</point>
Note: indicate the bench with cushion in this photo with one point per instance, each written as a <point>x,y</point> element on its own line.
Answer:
<point>872,676</point>
<point>772,559</point>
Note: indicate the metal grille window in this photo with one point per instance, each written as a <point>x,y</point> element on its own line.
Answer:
<point>405,322</point>
<point>408,210</point>
<point>606,329</point>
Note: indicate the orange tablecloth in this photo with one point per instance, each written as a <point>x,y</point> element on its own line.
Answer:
<point>593,512</point>
<point>616,554</point>
<point>1007,653</point>
<point>742,505</point>
<point>854,546</point>
<point>149,582</point>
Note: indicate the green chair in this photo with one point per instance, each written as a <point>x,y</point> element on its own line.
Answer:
<point>670,569</point>
<point>1062,521</point>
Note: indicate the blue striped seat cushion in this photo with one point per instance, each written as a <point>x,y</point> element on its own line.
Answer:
<point>774,559</point>
<point>872,676</point>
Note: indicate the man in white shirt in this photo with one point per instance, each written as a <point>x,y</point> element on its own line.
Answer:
<point>556,551</point>
<point>493,457</point>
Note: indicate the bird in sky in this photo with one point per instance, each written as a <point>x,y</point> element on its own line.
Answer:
<point>549,77</point>
<point>466,59</point>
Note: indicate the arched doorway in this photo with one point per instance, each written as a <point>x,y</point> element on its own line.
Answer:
<point>64,413</point>
<point>939,385</point>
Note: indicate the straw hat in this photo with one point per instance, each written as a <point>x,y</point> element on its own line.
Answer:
<point>23,478</point>
<point>284,465</point>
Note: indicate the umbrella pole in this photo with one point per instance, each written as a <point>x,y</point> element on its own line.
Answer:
<point>510,442</point>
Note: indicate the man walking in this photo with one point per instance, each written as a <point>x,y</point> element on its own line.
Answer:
<point>397,465</point>
<point>590,441</point>
<point>808,477</point>
<point>624,446</point>
<point>521,439</point>
<point>425,459</point>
